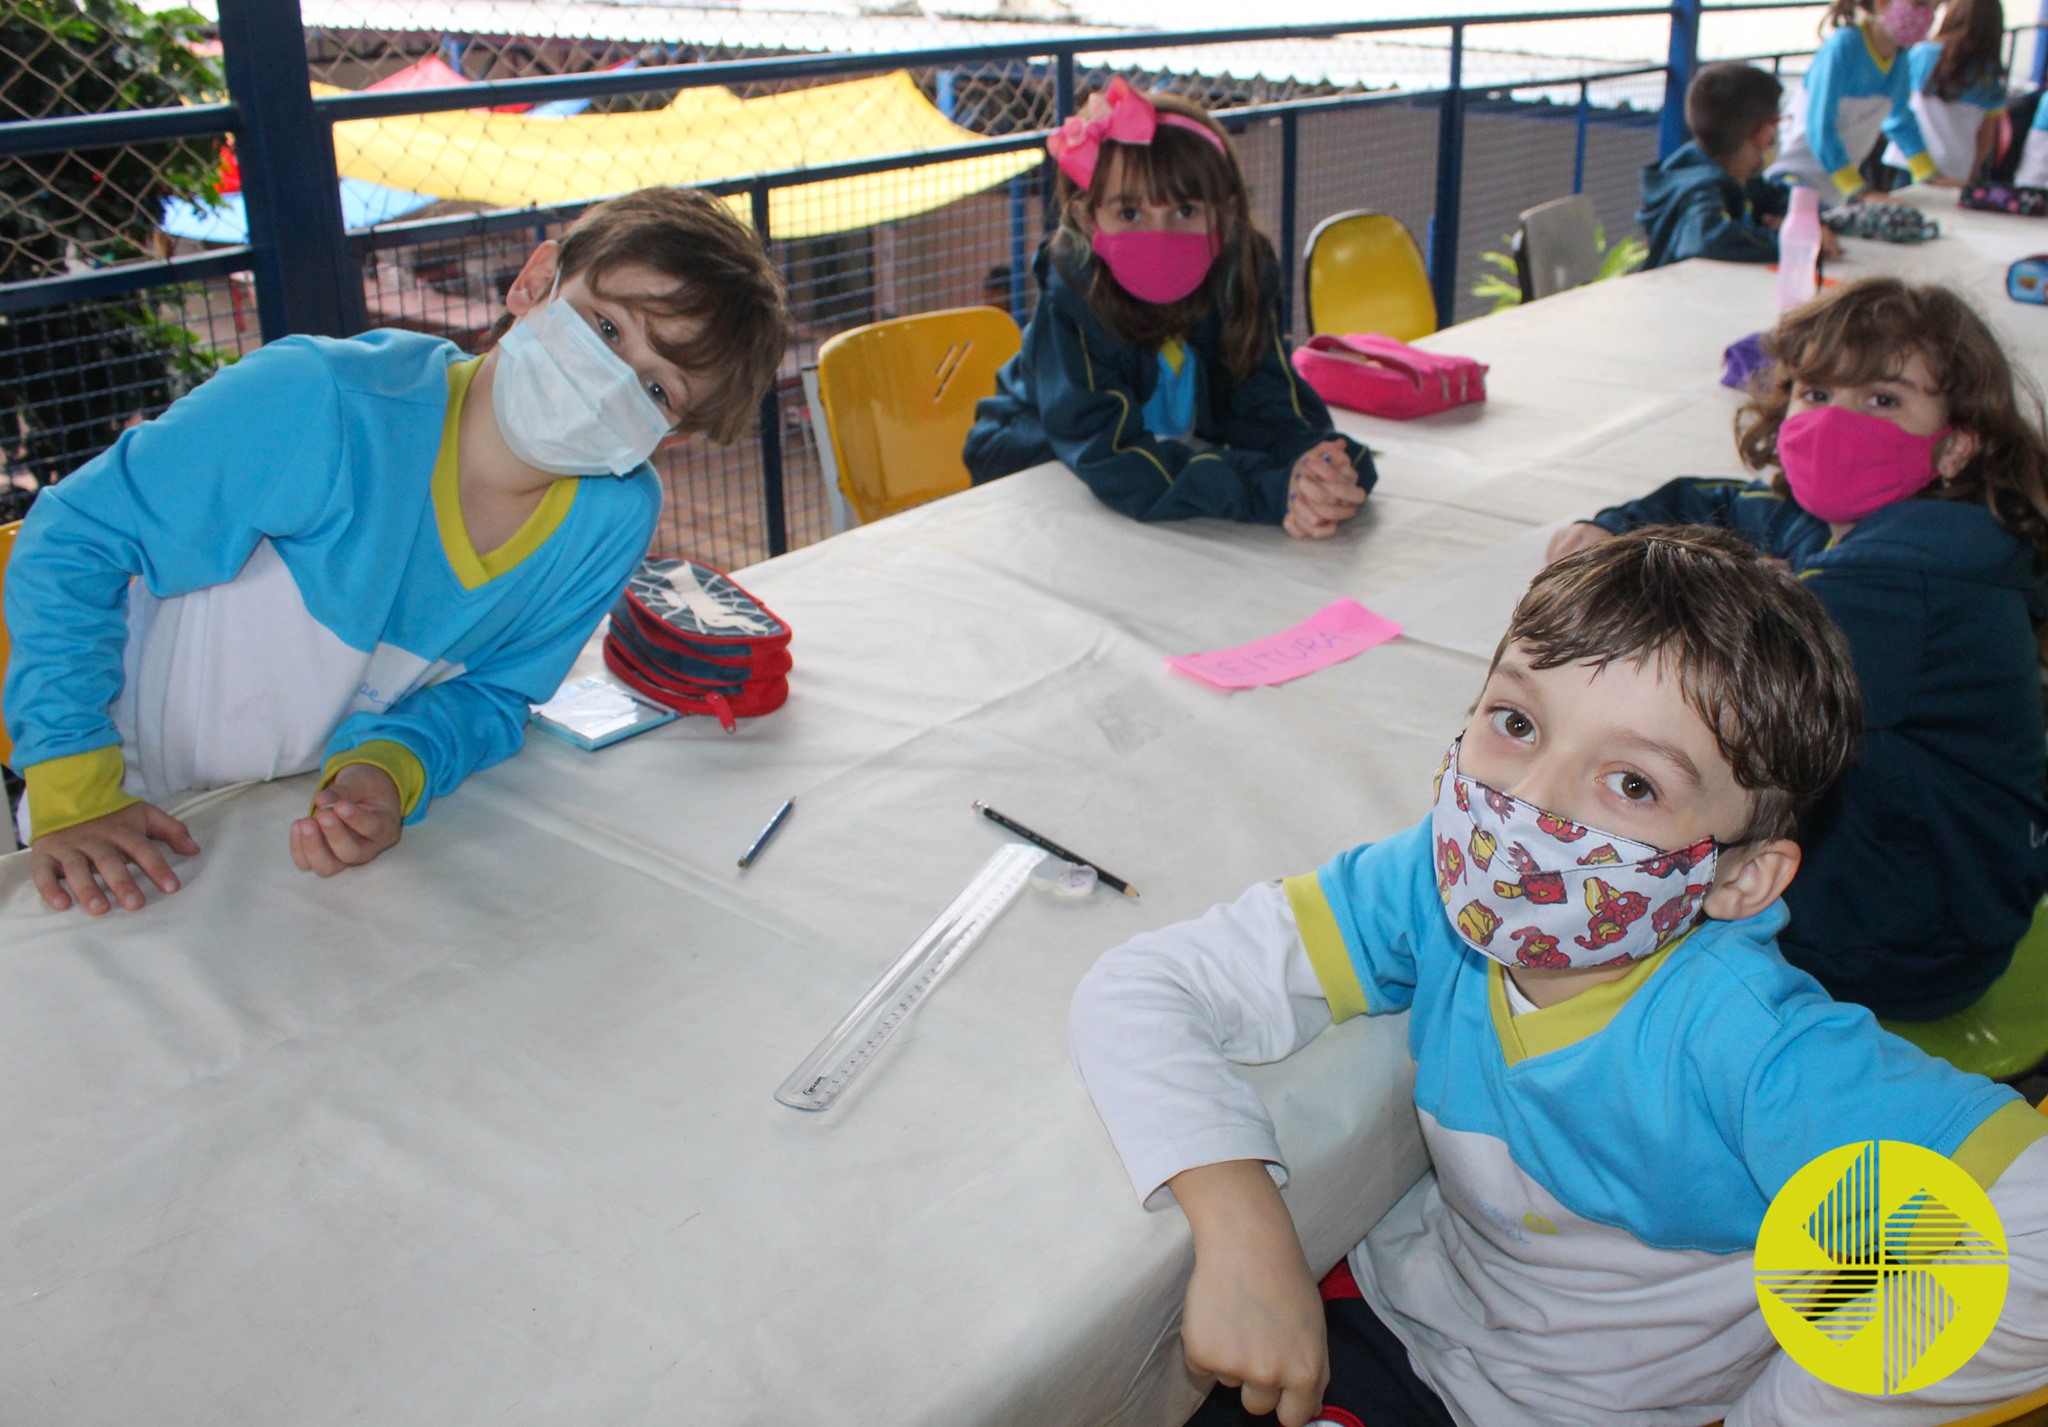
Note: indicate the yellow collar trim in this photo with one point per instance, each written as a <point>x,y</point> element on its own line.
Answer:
<point>1884,66</point>
<point>1174,354</point>
<point>472,569</point>
<point>1585,1015</point>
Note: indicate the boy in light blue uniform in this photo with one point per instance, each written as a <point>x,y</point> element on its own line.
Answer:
<point>1615,1071</point>
<point>1854,90</point>
<point>368,556</point>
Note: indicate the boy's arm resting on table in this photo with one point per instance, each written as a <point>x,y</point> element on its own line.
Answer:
<point>2011,1364</point>
<point>432,739</point>
<point>1157,1024</point>
<point>181,502</point>
<point>1097,427</point>
<point>1705,230</point>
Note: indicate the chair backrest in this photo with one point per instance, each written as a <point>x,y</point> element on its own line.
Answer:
<point>1558,246</point>
<point>7,534</point>
<point>899,397</point>
<point>1363,273</point>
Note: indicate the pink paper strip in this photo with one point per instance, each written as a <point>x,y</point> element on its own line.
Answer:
<point>1329,636</point>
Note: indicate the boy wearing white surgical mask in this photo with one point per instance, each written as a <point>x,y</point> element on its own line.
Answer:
<point>1615,1071</point>
<point>366,556</point>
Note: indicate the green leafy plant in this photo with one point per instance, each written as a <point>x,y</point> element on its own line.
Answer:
<point>71,376</point>
<point>1502,285</point>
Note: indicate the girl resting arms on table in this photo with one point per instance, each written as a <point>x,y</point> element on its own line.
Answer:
<point>1154,365</point>
<point>1909,491</point>
<point>366,556</point>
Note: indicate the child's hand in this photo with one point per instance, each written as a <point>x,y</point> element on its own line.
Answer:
<point>1830,246</point>
<point>1580,535</point>
<point>354,818</point>
<point>68,865</point>
<point>1322,493</point>
<point>1253,1318</point>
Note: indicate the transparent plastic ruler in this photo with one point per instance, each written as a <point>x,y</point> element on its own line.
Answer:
<point>830,1068</point>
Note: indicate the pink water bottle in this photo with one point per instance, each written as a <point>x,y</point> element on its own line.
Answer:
<point>1799,249</point>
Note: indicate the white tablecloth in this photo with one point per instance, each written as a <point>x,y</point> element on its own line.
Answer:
<point>484,1132</point>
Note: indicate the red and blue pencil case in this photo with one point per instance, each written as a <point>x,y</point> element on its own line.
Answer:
<point>689,637</point>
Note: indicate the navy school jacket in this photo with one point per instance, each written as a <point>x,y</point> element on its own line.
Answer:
<point>1693,209</point>
<point>1921,869</point>
<point>1076,394</point>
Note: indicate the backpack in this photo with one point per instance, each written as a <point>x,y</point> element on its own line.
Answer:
<point>686,636</point>
<point>1382,377</point>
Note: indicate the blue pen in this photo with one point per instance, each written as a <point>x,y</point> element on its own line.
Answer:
<point>747,857</point>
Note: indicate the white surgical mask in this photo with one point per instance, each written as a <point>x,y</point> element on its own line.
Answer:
<point>565,402</point>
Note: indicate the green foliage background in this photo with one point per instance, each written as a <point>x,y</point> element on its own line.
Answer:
<point>72,376</point>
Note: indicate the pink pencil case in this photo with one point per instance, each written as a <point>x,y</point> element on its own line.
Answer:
<point>1381,377</point>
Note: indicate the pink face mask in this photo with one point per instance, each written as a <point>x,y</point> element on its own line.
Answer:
<point>1843,464</point>
<point>1907,24</point>
<point>1157,267</point>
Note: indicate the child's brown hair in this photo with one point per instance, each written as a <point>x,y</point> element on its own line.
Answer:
<point>1866,330</point>
<point>1754,651</point>
<point>725,288</point>
<point>1843,12</point>
<point>1972,36</point>
<point>1726,103</point>
<point>1178,167</point>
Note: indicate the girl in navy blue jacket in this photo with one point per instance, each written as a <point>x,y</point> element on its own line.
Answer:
<point>1155,366</point>
<point>1912,495</point>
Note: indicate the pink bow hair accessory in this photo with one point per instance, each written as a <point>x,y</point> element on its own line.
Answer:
<point>1116,113</point>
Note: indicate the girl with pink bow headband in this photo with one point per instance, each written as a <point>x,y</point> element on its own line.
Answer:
<point>1155,367</point>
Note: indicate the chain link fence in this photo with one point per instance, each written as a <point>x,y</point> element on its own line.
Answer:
<point>908,240</point>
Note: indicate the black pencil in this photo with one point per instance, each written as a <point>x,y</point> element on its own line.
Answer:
<point>1102,874</point>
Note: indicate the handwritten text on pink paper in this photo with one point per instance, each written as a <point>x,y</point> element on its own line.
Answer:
<point>1329,636</point>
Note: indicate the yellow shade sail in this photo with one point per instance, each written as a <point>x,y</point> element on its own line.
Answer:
<point>516,160</point>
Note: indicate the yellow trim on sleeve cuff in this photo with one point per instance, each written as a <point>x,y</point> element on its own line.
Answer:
<point>1327,953</point>
<point>1922,167</point>
<point>400,762</point>
<point>64,792</point>
<point>2006,1131</point>
<point>1848,178</point>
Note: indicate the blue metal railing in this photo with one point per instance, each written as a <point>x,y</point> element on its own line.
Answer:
<point>308,270</point>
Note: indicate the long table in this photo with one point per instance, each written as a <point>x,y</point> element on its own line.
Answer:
<point>484,1131</point>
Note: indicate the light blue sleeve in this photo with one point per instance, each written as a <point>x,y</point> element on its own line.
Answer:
<point>479,717</point>
<point>2040,123</point>
<point>1381,896</point>
<point>1824,1074</point>
<point>1902,125</point>
<point>181,502</point>
<point>1827,80</point>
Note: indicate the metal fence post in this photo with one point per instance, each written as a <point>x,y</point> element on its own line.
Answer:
<point>1579,142</point>
<point>1290,156</point>
<point>771,419</point>
<point>1450,183</point>
<point>1019,258</point>
<point>1679,61</point>
<point>306,278</point>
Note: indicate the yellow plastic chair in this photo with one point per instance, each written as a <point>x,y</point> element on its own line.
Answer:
<point>2004,1032</point>
<point>1363,273</point>
<point>891,404</point>
<point>7,534</point>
